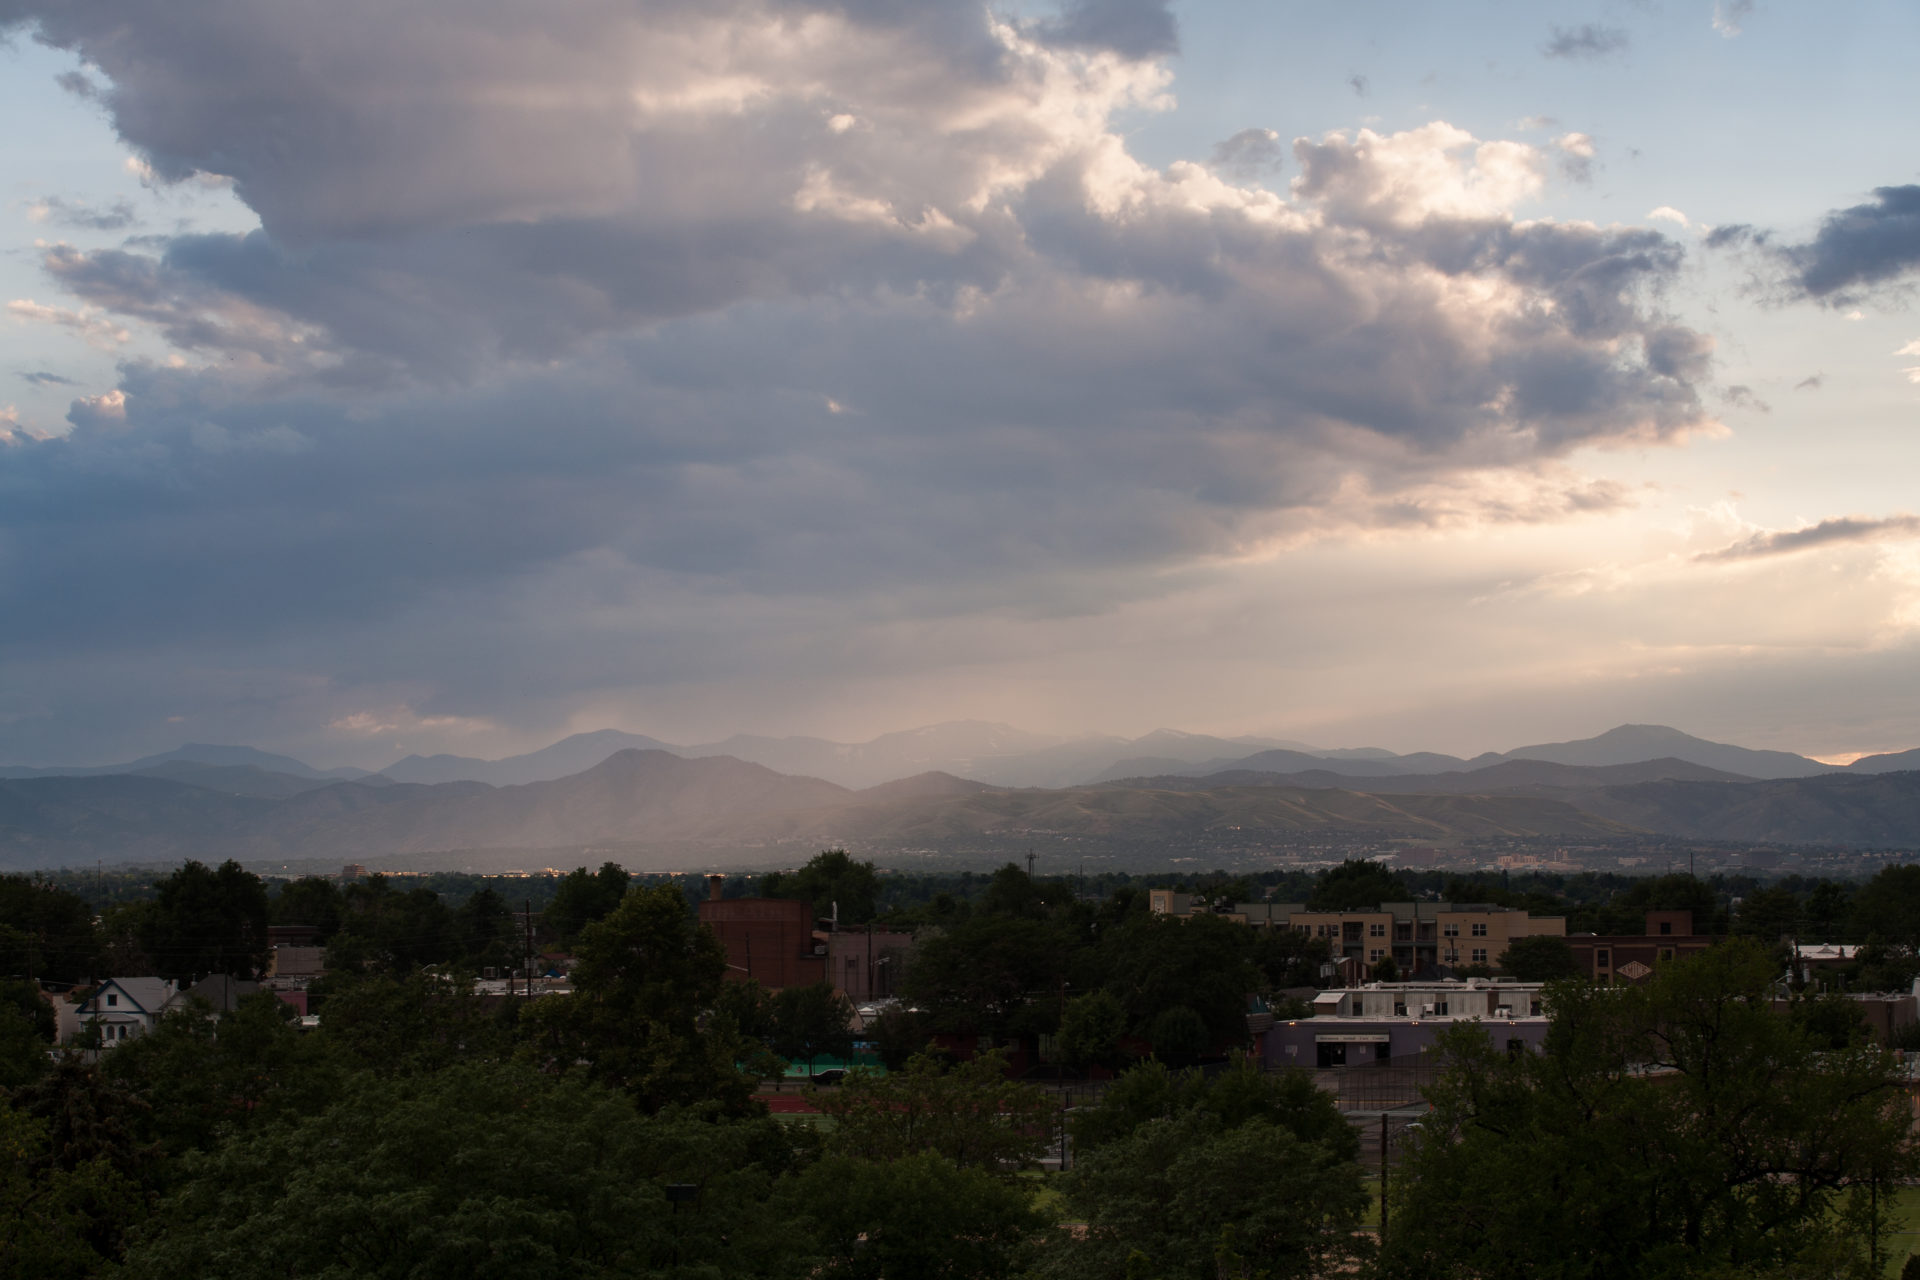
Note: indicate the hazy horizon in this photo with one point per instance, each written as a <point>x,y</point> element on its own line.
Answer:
<point>1428,379</point>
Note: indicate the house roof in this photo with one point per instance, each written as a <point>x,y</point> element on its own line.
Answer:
<point>149,995</point>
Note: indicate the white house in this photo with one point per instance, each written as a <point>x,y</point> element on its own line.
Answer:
<point>126,1007</point>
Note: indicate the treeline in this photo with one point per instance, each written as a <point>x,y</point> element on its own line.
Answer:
<point>1679,1129</point>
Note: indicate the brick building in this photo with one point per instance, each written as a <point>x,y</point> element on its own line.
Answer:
<point>1631,958</point>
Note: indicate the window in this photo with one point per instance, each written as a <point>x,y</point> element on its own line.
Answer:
<point>1440,1009</point>
<point>1533,1008</point>
<point>1602,957</point>
<point>1479,955</point>
<point>1480,930</point>
<point>1374,955</point>
<point>112,999</point>
<point>1450,930</point>
<point>1452,956</point>
<point>1399,1008</point>
<point>1376,931</point>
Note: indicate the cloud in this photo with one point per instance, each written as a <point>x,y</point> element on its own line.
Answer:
<point>1667,213</point>
<point>43,378</point>
<point>89,322</point>
<point>1812,382</point>
<point>1742,397</point>
<point>1358,83</point>
<point>538,347</point>
<point>1730,16</point>
<point>74,213</point>
<point>1131,28</point>
<point>1842,529</point>
<point>1863,246</point>
<point>1250,154</point>
<point>1587,42</point>
<point>1576,156</point>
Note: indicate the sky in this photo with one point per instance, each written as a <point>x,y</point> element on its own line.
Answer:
<point>450,377</point>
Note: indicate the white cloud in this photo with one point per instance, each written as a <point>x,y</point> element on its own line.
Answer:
<point>90,323</point>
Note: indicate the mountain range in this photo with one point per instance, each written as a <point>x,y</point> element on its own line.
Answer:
<point>1004,756</point>
<point>674,805</point>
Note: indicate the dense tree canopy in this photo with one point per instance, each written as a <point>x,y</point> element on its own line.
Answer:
<point>831,880</point>
<point>1680,1128</point>
<point>204,920</point>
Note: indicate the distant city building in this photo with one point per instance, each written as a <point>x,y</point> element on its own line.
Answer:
<point>1423,938</point>
<point>770,940</point>
<point>351,872</point>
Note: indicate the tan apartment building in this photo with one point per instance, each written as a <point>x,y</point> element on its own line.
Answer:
<point>1422,937</point>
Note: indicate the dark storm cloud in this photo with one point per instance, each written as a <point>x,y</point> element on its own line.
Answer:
<point>665,337</point>
<point>1828,532</point>
<point>1131,28</point>
<point>1868,244</point>
<point>1587,41</point>
<point>76,213</point>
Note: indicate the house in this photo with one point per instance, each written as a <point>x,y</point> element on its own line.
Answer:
<point>123,1008</point>
<point>1383,1021</point>
<point>1631,958</point>
<point>221,993</point>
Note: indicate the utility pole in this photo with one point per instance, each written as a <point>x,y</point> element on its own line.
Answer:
<point>1029,866</point>
<point>529,923</point>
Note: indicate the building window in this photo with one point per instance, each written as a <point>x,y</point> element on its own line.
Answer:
<point>1452,956</point>
<point>1399,1008</point>
<point>1603,957</point>
<point>112,999</point>
<point>1374,955</point>
<point>1440,1009</point>
<point>1533,1008</point>
<point>1480,930</point>
<point>1479,955</point>
<point>1666,926</point>
<point>1376,931</point>
<point>1450,930</point>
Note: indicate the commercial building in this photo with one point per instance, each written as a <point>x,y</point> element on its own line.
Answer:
<point>1424,939</point>
<point>1630,957</point>
<point>1385,1021</point>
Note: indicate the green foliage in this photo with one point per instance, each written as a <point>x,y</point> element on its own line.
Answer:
<point>46,933</point>
<point>898,1033</point>
<point>810,1021</point>
<point>1178,1036</point>
<point>1354,884</point>
<point>1385,970</point>
<point>310,900</point>
<point>583,898</point>
<point>201,1076</point>
<point>1090,1030</point>
<point>1888,907</point>
<point>1184,1198</point>
<point>976,976</point>
<point>57,1222</point>
<point>1244,1092</point>
<point>477,1171</point>
<point>645,975</point>
<point>831,878</point>
<point>391,930</point>
<point>1768,915</point>
<point>969,1114</point>
<point>423,1023</point>
<point>1680,1128</point>
<point>919,1215</point>
<point>207,920</point>
<point>1289,957</point>
<point>1543,957</point>
<point>1203,965</point>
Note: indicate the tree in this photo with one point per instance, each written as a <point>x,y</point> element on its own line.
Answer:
<point>582,898</point>
<point>207,921</point>
<point>1187,1199</point>
<point>1542,957</point>
<point>1202,965</point>
<point>384,928</point>
<point>45,933</point>
<point>1243,1092</point>
<point>1356,884</point>
<point>899,1032</point>
<point>969,1113</point>
<point>1888,907</point>
<point>1680,1128</point>
<point>1768,915</point>
<point>920,1215</point>
<point>1385,970</point>
<point>1178,1036</point>
<point>310,900</point>
<point>1289,957</point>
<point>484,929</point>
<point>1090,1030</point>
<point>829,878</point>
<point>645,975</point>
<point>812,1020</point>
<point>487,1171</point>
<point>974,977</point>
